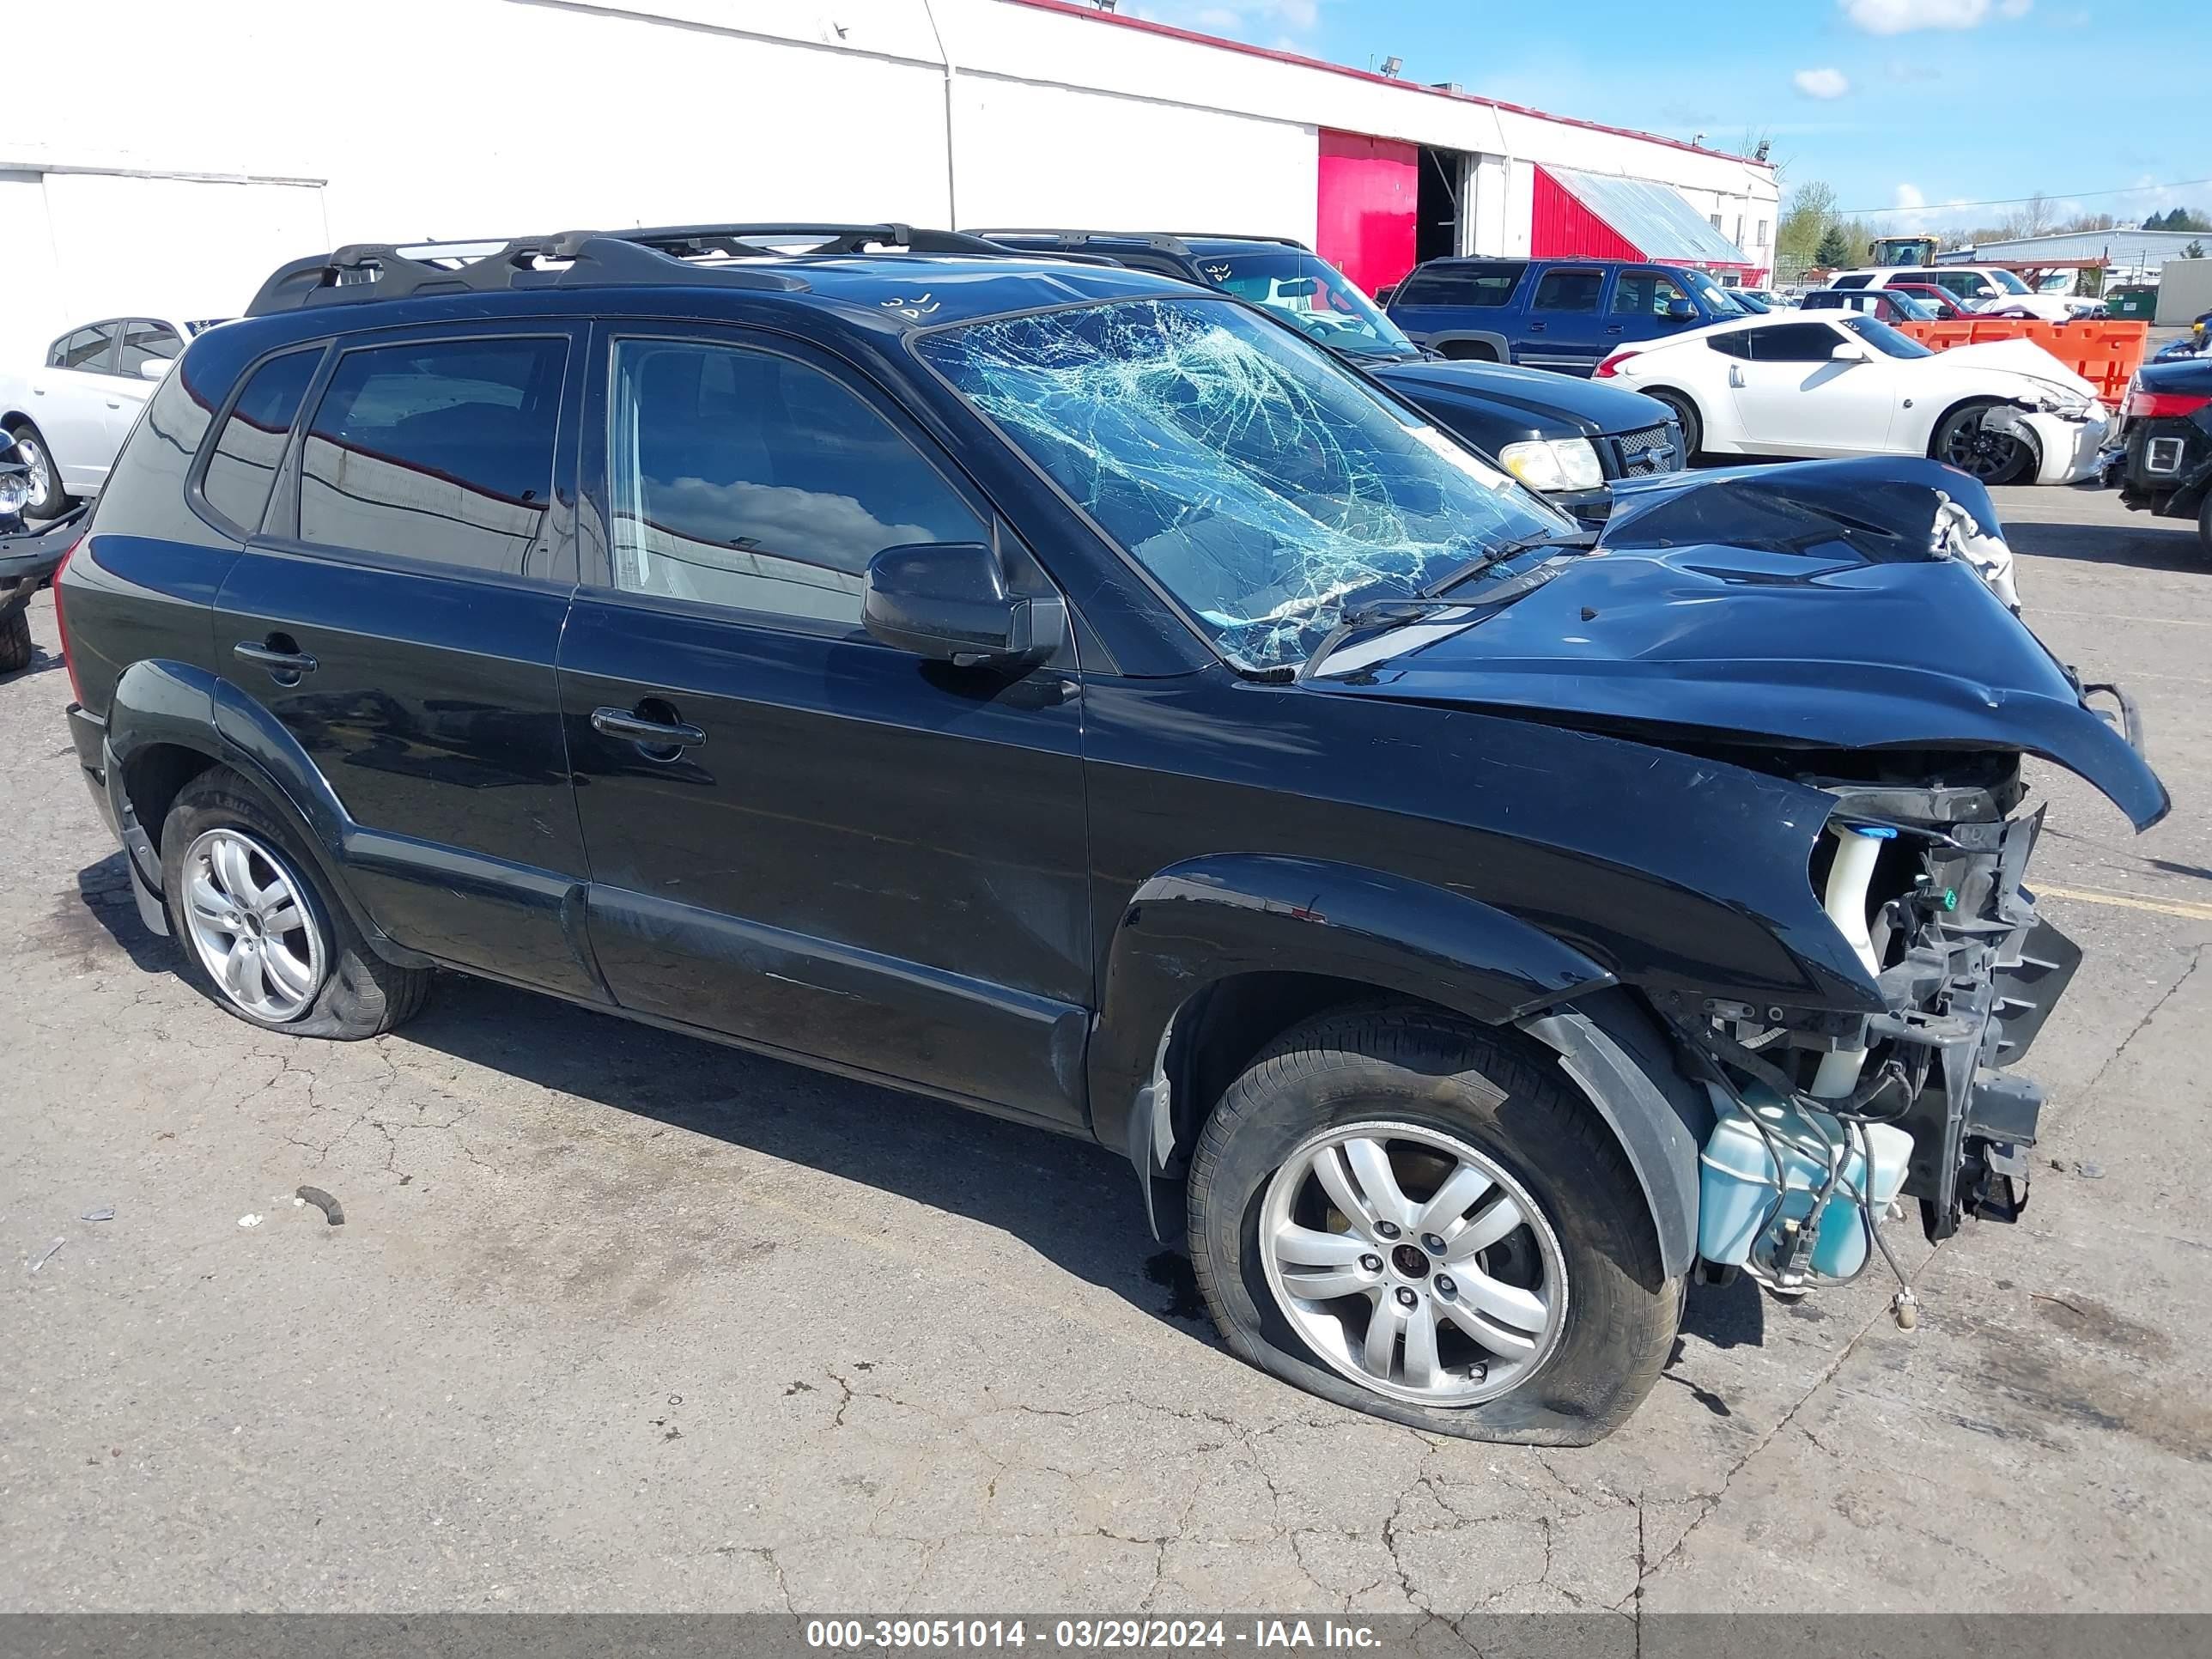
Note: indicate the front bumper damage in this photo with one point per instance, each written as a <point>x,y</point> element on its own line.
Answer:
<point>2067,446</point>
<point>1971,973</point>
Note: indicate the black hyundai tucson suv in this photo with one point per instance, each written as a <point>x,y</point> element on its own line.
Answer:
<point>1075,696</point>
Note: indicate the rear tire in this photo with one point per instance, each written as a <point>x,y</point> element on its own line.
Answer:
<point>14,641</point>
<point>1439,1099</point>
<point>1466,352</point>
<point>1685,414</point>
<point>2204,524</point>
<point>230,864</point>
<point>51,501</point>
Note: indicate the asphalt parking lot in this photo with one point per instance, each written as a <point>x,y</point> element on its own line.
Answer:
<point>622,1321</point>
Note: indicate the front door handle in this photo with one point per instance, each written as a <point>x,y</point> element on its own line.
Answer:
<point>284,661</point>
<point>1538,328</point>
<point>652,734</point>
<point>1735,375</point>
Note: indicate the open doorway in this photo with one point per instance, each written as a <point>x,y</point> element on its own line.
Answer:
<point>1437,217</point>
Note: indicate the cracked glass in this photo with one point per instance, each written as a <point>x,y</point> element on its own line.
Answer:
<point>1264,486</point>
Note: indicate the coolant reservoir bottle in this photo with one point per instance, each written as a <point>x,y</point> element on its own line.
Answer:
<point>1736,1183</point>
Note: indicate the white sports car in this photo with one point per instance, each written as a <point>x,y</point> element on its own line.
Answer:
<point>1826,384</point>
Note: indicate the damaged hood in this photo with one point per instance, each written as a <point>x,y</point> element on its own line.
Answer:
<point>2023,357</point>
<point>1827,618</point>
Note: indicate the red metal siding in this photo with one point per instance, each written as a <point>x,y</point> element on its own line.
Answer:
<point>1561,227</point>
<point>1368,191</point>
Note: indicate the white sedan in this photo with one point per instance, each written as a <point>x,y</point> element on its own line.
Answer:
<point>71,414</point>
<point>1824,384</point>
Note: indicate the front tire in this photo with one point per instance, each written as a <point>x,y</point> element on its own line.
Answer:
<point>48,499</point>
<point>1520,1296</point>
<point>1964,440</point>
<point>258,935</point>
<point>1686,417</point>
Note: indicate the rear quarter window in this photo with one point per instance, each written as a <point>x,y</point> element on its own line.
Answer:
<point>242,468</point>
<point>1480,286</point>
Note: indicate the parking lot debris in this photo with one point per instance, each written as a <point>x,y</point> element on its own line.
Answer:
<point>48,1255</point>
<point>103,1213</point>
<point>333,1212</point>
<point>249,1221</point>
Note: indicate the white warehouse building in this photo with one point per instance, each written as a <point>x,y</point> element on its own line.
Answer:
<point>275,128</point>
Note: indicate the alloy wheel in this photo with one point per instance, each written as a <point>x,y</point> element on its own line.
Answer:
<point>251,925</point>
<point>1975,449</point>
<point>1413,1264</point>
<point>41,469</point>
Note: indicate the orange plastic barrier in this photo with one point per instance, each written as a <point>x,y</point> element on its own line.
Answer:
<point>2104,353</point>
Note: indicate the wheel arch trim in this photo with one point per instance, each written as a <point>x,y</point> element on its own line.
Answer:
<point>1192,926</point>
<point>160,702</point>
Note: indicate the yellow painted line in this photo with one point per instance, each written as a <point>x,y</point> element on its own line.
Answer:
<point>2185,909</point>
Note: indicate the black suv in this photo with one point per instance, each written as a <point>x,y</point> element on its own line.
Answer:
<point>1567,439</point>
<point>1071,694</point>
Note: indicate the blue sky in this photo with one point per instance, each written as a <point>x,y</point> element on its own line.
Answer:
<point>1901,105</point>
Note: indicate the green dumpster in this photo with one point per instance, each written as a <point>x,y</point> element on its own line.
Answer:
<point>2132,304</point>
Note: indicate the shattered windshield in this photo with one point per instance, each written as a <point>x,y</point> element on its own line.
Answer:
<point>1313,295</point>
<point>1263,486</point>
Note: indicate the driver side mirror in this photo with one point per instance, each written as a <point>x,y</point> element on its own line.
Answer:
<point>154,368</point>
<point>1848,351</point>
<point>1681,311</point>
<point>948,601</point>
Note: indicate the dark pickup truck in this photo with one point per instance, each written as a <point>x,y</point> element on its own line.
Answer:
<point>1570,443</point>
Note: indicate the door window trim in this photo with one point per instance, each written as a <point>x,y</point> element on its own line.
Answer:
<point>595,574</point>
<point>280,519</point>
<point>1596,307</point>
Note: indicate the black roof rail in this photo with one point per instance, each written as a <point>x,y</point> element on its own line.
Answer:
<point>1072,240</point>
<point>742,240</point>
<point>1238,236</point>
<point>577,259</point>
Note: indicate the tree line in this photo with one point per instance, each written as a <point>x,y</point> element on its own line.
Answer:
<point>1813,232</point>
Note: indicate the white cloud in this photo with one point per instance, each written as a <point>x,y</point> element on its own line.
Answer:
<point>1821,82</point>
<point>1904,16</point>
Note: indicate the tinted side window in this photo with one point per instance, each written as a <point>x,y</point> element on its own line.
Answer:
<point>1737,344</point>
<point>1569,291</point>
<point>1644,294</point>
<point>741,478</point>
<point>440,450</point>
<point>1852,281</point>
<point>1794,343</point>
<point>92,349</point>
<point>247,452</point>
<point>144,341</point>
<point>1482,285</point>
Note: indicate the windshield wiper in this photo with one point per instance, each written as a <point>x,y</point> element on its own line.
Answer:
<point>1498,555</point>
<point>1379,613</point>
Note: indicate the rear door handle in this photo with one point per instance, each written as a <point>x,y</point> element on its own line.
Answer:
<point>284,661</point>
<point>1538,328</point>
<point>654,734</point>
<point>1615,328</point>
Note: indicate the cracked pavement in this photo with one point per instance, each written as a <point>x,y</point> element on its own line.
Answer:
<point>622,1321</point>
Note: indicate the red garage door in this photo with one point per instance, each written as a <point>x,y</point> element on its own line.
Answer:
<point>1369,190</point>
